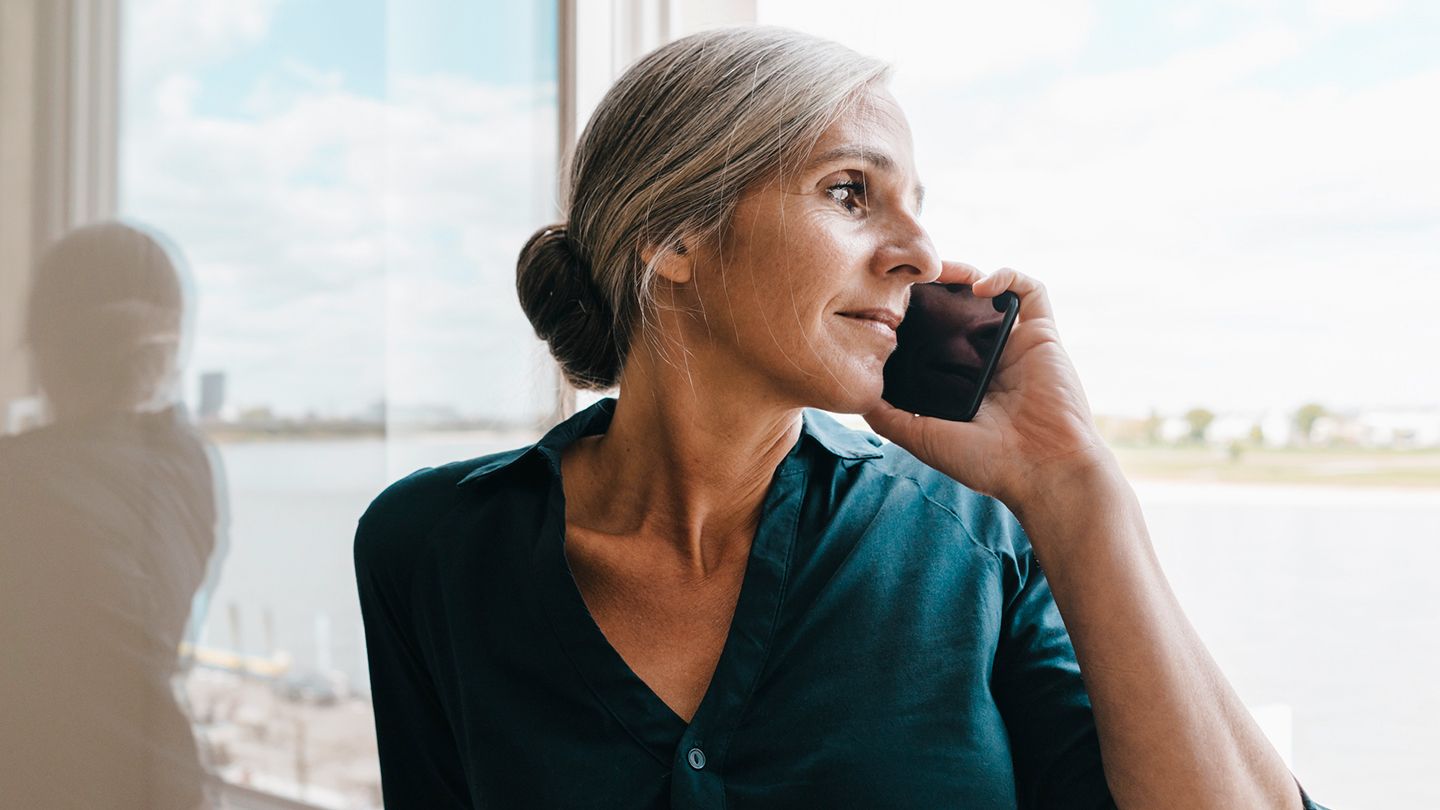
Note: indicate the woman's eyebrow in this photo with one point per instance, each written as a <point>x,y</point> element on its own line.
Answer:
<point>877,158</point>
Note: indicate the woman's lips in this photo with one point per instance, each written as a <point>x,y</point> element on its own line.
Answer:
<point>872,325</point>
<point>890,318</point>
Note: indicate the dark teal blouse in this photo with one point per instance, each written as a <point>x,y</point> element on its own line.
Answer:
<point>894,645</point>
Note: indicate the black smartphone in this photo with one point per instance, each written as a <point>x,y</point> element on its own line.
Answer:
<point>946,350</point>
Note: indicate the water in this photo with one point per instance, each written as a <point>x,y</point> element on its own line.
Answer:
<point>1323,600</point>
<point>293,508</point>
<point>1317,602</point>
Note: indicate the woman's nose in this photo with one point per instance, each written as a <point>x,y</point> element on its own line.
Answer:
<point>912,253</point>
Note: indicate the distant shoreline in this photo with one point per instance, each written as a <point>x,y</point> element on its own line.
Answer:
<point>1340,466</point>
<point>1419,468</point>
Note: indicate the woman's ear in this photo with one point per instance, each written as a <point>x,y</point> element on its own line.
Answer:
<point>674,263</point>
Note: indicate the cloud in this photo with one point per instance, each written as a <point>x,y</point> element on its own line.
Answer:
<point>1209,235</point>
<point>349,248</point>
<point>1347,11</point>
<point>949,43</point>
<point>165,36</point>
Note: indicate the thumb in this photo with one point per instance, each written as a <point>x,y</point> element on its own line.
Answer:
<point>921,435</point>
<point>889,421</point>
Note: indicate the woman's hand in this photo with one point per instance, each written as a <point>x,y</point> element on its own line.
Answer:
<point>1034,427</point>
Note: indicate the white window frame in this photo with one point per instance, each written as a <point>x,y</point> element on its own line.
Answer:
<point>59,89</point>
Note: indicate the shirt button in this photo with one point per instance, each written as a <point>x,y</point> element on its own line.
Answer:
<point>696,758</point>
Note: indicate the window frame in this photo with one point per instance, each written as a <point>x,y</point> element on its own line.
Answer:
<point>59,84</point>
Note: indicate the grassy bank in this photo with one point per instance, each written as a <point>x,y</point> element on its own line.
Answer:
<point>1353,467</point>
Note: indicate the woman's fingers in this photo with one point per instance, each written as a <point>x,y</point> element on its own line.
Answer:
<point>958,273</point>
<point>1034,300</point>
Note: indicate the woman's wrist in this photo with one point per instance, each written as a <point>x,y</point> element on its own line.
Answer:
<point>1095,468</point>
<point>1061,499</point>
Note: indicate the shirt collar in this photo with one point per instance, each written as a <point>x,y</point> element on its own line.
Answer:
<point>838,439</point>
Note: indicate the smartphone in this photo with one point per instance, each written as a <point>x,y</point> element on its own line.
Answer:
<point>946,350</point>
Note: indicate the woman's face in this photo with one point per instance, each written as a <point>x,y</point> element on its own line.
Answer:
<point>838,235</point>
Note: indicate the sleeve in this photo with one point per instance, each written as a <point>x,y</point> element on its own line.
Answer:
<point>420,764</point>
<point>1041,695</point>
<point>1037,686</point>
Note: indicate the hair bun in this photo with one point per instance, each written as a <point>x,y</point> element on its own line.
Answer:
<point>568,311</point>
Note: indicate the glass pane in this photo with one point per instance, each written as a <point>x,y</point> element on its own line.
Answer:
<point>1210,194</point>
<point>344,187</point>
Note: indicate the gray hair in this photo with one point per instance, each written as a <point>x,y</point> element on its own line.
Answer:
<point>666,155</point>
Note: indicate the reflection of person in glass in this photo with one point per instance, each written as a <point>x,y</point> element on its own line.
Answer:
<point>707,592</point>
<point>943,342</point>
<point>108,528</point>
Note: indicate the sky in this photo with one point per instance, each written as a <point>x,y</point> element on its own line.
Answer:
<point>1233,204</point>
<point>349,184</point>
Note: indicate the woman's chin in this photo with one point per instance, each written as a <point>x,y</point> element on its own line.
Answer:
<point>859,392</point>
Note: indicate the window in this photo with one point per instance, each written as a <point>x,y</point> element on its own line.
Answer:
<point>349,191</point>
<point>1233,211</point>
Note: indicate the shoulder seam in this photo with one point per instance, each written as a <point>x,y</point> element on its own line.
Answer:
<point>958,520</point>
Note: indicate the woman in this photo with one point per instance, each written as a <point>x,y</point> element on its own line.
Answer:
<point>112,535</point>
<point>706,593</point>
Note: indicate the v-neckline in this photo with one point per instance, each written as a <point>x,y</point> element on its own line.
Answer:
<point>625,695</point>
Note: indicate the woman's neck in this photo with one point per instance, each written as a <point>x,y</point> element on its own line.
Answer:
<point>685,467</point>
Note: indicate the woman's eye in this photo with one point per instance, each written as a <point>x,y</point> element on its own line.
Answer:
<point>847,193</point>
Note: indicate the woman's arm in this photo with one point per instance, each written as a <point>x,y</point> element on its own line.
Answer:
<point>1173,733</point>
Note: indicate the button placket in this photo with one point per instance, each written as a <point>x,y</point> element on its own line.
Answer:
<point>699,758</point>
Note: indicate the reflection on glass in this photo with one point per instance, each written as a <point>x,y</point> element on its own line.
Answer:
<point>349,190</point>
<point>947,337</point>
<point>109,533</point>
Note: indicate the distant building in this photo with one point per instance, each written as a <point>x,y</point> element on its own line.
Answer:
<point>1342,429</point>
<point>374,413</point>
<point>1231,427</point>
<point>1400,427</point>
<point>1278,427</point>
<point>1174,429</point>
<point>212,395</point>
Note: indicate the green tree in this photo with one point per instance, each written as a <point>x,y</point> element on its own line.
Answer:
<point>1199,419</point>
<point>1306,416</point>
<point>1152,427</point>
